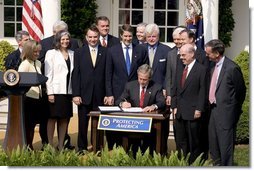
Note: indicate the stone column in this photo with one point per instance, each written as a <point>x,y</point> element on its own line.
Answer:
<point>51,12</point>
<point>211,19</point>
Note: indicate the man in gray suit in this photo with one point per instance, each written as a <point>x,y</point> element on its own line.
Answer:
<point>226,96</point>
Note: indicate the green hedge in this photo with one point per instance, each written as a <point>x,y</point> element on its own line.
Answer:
<point>242,133</point>
<point>117,157</point>
<point>5,49</point>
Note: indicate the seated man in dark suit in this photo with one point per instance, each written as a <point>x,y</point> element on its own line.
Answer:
<point>146,94</point>
<point>13,60</point>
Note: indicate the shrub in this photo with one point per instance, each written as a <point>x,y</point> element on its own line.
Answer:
<point>5,49</point>
<point>242,132</point>
<point>84,11</point>
<point>117,157</point>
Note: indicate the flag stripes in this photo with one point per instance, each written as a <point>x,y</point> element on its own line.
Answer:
<point>32,19</point>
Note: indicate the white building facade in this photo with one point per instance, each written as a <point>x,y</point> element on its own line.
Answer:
<point>166,13</point>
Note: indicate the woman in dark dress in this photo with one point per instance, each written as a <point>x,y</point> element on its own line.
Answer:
<point>58,68</point>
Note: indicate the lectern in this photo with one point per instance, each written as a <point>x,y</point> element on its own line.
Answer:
<point>15,85</point>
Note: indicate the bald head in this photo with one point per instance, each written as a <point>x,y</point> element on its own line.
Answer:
<point>187,52</point>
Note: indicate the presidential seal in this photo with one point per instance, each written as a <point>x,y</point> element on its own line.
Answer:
<point>105,122</point>
<point>11,77</point>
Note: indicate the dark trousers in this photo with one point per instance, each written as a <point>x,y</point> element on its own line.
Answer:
<point>221,142</point>
<point>188,138</point>
<point>44,119</point>
<point>83,120</point>
<point>33,115</point>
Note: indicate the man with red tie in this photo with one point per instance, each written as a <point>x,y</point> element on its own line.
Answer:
<point>146,94</point>
<point>188,102</point>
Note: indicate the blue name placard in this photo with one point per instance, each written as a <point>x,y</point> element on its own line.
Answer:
<point>125,123</point>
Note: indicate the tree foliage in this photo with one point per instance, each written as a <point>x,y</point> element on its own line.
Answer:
<point>79,15</point>
<point>226,21</point>
<point>242,133</point>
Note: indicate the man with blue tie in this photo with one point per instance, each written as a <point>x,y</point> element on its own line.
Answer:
<point>122,63</point>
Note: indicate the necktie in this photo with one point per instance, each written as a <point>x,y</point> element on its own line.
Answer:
<point>142,97</point>
<point>213,85</point>
<point>104,44</point>
<point>93,55</point>
<point>151,56</point>
<point>185,71</point>
<point>128,61</point>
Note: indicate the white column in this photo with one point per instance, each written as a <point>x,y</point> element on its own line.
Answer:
<point>51,11</point>
<point>211,19</point>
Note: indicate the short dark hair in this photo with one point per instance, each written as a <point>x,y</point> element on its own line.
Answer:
<point>216,45</point>
<point>190,34</point>
<point>103,18</point>
<point>92,28</point>
<point>126,27</point>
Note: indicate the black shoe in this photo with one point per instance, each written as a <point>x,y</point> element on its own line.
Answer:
<point>70,147</point>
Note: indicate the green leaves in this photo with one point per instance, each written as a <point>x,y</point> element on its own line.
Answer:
<point>105,158</point>
<point>5,49</point>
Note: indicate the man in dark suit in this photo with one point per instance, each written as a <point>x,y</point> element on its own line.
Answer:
<point>13,60</point>
<point>88,81</point>
<point>122,63</point>
<point>226,96</point>
<point>46,45</point>
<point>157,54</point>
<point>188,102</point>
<point>188,36</point>
<point>106,39</point>
<point>146,94</point>
<point>172,58</point>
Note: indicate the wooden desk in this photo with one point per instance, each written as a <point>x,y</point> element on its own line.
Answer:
<point>160,124</point>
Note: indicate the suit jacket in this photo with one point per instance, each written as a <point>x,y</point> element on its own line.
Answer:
<point>56,70</point>
<point>13,60</point>
<point>112,40</point>
<point>171,70</point>
<point>159,63</point>
<point>192,96</point>
<point>230,94</point>
<point>47,44</point>
<point>116,71</point>
<point>88,81</point>
<point>200,55</point>
<point>153,95</point>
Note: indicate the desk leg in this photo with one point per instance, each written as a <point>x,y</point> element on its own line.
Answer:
<point>158,136</point>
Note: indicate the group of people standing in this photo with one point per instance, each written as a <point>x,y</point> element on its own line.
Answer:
<point>106,70</point>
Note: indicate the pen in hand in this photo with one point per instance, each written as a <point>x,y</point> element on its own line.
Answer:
<point>125,104</point>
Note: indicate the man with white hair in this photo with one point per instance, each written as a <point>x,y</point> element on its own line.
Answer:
<point>157,54</point>
<point>172,58</point>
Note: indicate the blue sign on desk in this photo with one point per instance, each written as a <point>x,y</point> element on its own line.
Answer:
<point>125,123</point>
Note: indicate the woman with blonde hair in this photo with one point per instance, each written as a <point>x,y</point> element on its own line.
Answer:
<point>32,100</point>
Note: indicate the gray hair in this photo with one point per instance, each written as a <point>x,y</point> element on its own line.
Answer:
<point>19,35</point>
<point>142,25</point>
<point>59,26</point>
<point>145,68</point>
<point>150,28</point>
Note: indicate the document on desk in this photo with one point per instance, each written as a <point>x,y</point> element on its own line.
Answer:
<point>133,109</point>
<point>104,109</point>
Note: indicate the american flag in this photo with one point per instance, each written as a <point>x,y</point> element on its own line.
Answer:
<point>32,19</point>
<point>194,20</point>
